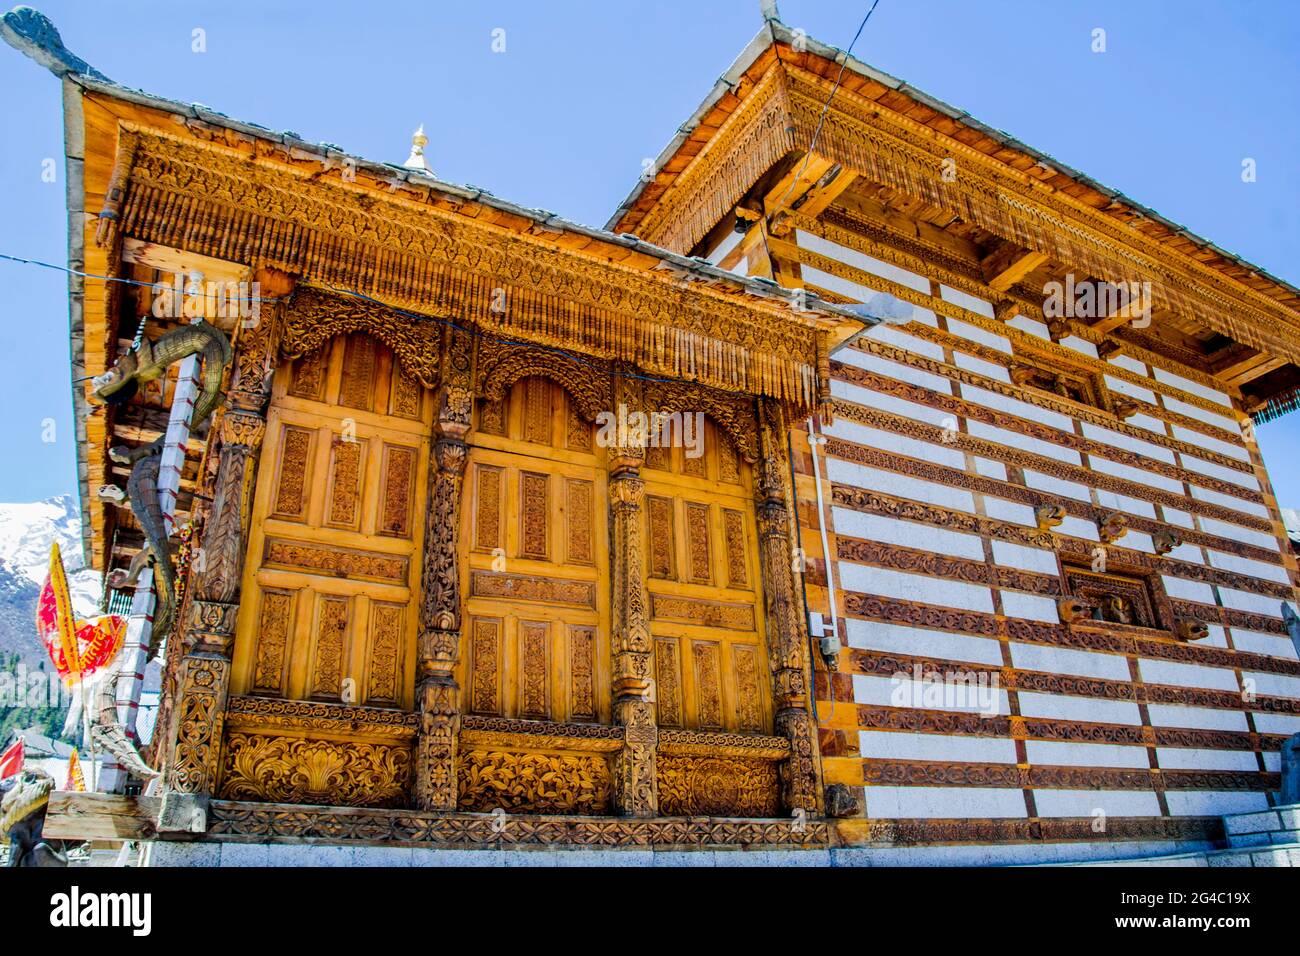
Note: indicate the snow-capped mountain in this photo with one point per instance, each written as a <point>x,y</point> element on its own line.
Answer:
<point>26,530</point>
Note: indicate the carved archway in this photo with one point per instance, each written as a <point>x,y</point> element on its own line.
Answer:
<point>734,414</point>
<point>501,364</point>
<point>315,317</point>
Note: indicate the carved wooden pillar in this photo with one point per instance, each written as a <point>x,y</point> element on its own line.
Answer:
<point>787,642</point>
<point>636,790</point>
<point>208,635</point>
<point>437,694</point>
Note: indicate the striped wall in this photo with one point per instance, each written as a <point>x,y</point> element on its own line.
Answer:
<point>930,478</point>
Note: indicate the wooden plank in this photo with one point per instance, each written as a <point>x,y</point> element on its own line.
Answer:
<point>100,816</point>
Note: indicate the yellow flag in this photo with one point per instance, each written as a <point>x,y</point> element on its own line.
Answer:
<point>76,779</point>
<point>63,606</point>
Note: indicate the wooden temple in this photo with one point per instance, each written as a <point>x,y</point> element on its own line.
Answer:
<point>428,595</point>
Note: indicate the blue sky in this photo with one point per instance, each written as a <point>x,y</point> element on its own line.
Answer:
<point>563,118</point>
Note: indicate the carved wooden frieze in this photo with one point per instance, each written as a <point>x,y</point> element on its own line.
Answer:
<point>739,617</point>
<point>335,562</point>
<point>918,720</point>
<point>534,782</point>
<point>288,823</point>
<point>280,769</point>
<point>304,717</point>
<point>722,786</point>
<point>317,316</point>
<point>532,587</point>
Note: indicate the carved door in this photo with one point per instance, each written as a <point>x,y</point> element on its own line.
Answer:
<point>534,561</point>
<point>702,575</point>
<point>328,609</point>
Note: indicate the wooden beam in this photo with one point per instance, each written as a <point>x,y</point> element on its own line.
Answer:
<point>100,816</point>
<point>1008,264</point>
<point>826,190</point>
<point>1248,369</point>
<point>878,214</point>
<point>802,178</point>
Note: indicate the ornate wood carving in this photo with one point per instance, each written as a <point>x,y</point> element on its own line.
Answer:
<point>202,675</point>
<point>281,769</point>
<point>417,254</point>
<point>437,692</point>
<point>275,627</point>
<point>1025,426</point>
<point>501,364</point>
<point>305,717</point>
<point>734,786</point>
<point>942,474</point>
<point>288,823</point>
<point>582,687</point>
<point>534,782</point>
<point>962,441</point>
<point>533,587</point>
<point>787,643</point>
<point>334,561</point>
<point>739,617</point>
<point>633,681</point>
<point>318,316</point>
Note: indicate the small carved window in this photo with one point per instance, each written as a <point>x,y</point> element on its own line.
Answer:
<point>1070,383</point>
<point>1117,597</point>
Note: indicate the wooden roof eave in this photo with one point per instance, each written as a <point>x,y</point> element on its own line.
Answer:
<point>942,119</point>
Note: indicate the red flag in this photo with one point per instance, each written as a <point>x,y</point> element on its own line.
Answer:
<point>11,761</point>
<point>77,648</point>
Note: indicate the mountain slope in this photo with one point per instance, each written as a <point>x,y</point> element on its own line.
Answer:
<point>26,530</point>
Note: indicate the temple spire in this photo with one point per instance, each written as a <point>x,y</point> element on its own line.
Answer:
<point>416,160</point>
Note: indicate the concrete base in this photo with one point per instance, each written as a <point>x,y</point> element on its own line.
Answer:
<point>163,853</point>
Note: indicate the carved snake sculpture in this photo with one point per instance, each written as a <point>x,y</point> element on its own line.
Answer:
<point>142,491</point>
<point>22,818</point>
<point>148,362</point>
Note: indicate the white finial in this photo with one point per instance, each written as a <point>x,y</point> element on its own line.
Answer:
<point>416,159</point>
<point>770,12</point>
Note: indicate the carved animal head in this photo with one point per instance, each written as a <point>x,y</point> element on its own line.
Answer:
<point>1112,527</point>
<point>1107,348</point>
<point>1058,329</point>
<point>1189,630</point>
<point>1117,609</point>
<point>25,794</point>
<point>1049,516</point>
<point>1124,407</point>
<point>841,801</point>
<point>1022,374</point>
<point>1072,609</point>
<point>1165,541</point>
<point>118,384</point>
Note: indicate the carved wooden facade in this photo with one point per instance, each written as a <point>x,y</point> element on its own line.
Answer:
<point>462,592</point>
<point>434,586</point>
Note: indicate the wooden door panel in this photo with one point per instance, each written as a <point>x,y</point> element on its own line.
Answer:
<point>711,669</point>
<point>329,611</point>
<point>535,562</point>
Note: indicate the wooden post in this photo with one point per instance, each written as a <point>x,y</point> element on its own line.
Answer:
<point>437,694</point>
<point>194,737</point>
<point>787,642</point>
<point>636,789</point>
